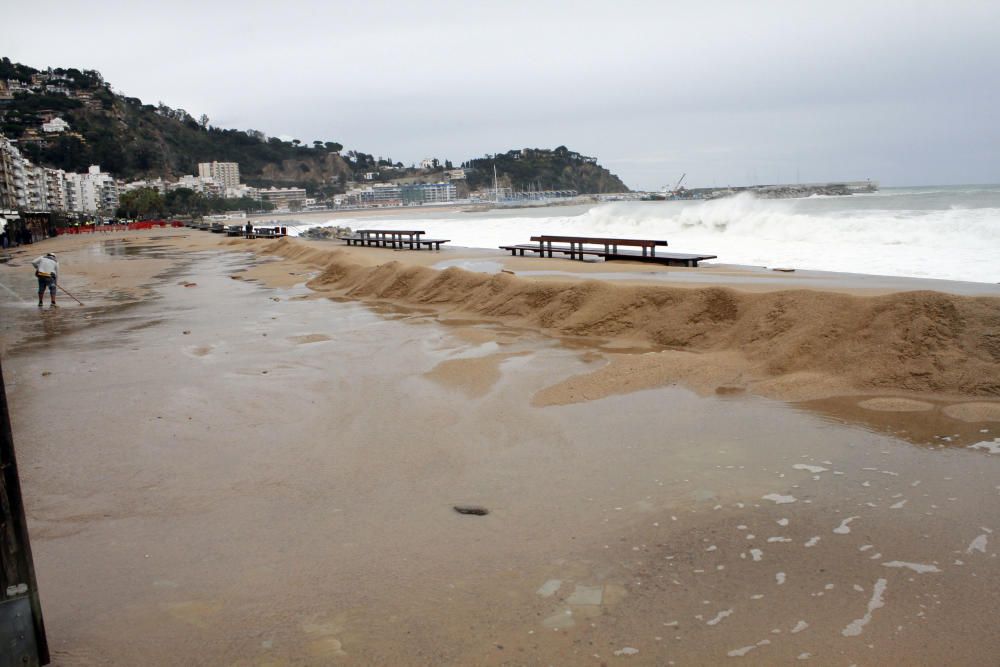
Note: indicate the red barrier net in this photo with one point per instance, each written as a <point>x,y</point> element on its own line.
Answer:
<point>118,227</point>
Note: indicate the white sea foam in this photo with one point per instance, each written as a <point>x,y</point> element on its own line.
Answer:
<point>978,544</point>
<point>919,568</point>
<point>842,529</point>
<point>806,466</point>
<point>934,235</point>
<point>718,617</point>
<point>854,628</point>
<point>779,499</point>
<point>993,447</point>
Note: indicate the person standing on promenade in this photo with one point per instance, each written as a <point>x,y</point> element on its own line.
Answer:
<point>46,270</point>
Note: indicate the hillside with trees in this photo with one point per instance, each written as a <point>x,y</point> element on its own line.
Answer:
<point>136,140</point>
<point>543,169</point>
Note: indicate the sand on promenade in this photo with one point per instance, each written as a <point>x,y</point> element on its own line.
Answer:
<point>247,453</point>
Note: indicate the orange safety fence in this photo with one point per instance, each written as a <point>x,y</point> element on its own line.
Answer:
<point>118,227</point>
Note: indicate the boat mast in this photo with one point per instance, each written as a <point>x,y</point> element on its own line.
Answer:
<point>496,189</point>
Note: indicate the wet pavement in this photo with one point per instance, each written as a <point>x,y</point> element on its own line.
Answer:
<point>225,473</point>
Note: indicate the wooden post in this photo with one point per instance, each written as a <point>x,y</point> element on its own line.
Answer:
<point>22,632</point>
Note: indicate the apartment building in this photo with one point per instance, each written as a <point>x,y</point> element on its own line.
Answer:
<point>36,197</point>
<point>92,192</point>
<point>9,155</point>
<point>157,184</point>
<point>428,193</point>
<point>284,198</point>
<point>206,185</point>
<point>226,174</point>
<point>55,189</point>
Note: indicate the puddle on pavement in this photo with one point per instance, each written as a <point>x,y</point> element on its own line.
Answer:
<point>922,422</point>
<point>122,248</point>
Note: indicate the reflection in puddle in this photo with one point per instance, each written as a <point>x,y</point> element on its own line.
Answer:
<point>921,422</point>
<point>122,248</point>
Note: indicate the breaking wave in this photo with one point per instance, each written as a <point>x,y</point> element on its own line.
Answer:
<point>923,234</point>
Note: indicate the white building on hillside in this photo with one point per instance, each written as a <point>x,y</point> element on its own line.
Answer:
<point>226,174</point>
<point>157,184</point>
<point>206,185</point>
<point>55,125</point>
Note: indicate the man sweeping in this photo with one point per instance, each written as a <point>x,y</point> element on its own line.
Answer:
<point>46,270</point>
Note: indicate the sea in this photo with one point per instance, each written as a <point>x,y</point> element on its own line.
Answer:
<point>943,232</point>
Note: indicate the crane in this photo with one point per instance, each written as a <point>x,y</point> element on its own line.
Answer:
<point>679,181</point>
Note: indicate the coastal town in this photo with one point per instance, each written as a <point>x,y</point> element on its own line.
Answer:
<point>96,195</point>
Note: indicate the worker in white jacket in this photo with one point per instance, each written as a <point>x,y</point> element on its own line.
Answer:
<point>47,272</point>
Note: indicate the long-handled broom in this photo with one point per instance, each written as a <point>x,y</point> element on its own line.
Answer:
<point>68,294</point>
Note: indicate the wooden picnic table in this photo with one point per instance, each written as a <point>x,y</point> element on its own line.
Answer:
<point>384,238</point>
<point>389,235</point>
<point>609,250</point>
<point>576,244</point>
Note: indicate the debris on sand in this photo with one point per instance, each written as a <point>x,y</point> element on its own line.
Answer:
<point>476,510</point>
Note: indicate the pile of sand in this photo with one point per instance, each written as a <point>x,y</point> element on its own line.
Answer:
<point>891,404</point>
<point>974,412</point>
<point>791,344</point>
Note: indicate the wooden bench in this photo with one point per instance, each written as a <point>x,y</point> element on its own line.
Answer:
<point>392,238</point>
<point>576,244</point>
<point>574,247</point>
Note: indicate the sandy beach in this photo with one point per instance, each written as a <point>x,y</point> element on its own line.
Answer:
<point>249,453</point>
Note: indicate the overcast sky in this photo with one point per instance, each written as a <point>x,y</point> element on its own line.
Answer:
<point>905,92</point>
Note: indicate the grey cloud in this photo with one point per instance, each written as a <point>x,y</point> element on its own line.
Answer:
<point>728,91</point>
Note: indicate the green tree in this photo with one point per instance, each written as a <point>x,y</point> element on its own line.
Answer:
<point>142,203</point>
<point>185,201</point>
